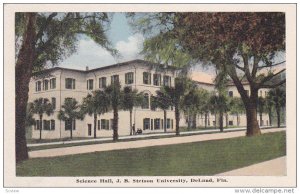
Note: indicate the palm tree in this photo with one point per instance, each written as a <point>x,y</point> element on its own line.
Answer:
<point>236,107</point>
<point>269,107</point>
<point>130,99</point>
<point>97,103</point>
<point>115,95</point>
<point>261,107</point>
<point>278,96</point>
<point>163,101</point>
<point>41,106</point>
<point>71,112</point>
<point>219,104</point>
<point>175,95</point>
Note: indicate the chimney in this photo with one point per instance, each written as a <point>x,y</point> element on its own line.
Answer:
<point>87,68</point>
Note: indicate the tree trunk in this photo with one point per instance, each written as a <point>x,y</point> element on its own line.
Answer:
<point>278,116</point>
<point>23,75</point>
<point>226,117</point>
<point>215,120</point>
<point>194,126</point>
<point>115,124</point>
<point>205,120</point>
<point>130,121</point>
<point>270,117</point>
<point>189,121</point>
<point>177,117</point>
<point>71,130</point>
<point>260,119</point>
<point>237,120</point>
<point>95,125</point>
<point>221,121</point>
<point>165,121</point>
<point>41,126</point>
<point>252,124</point>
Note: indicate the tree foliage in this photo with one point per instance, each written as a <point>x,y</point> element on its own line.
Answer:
<point>241,45</point>
<point>57,34</point>
<point>70,111</point>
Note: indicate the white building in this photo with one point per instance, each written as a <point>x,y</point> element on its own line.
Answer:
<point>58,83</point>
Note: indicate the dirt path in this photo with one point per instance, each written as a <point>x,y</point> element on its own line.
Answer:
<point>138,144</point>
<point>275,167</point>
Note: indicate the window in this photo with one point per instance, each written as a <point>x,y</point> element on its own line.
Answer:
<point>70,83</point>
<point>230,93</point>
<point>156,123</point>
<point>37,122</point>
<point>102,82</point>
<point>46,125</point>
<point>156,79</point>
<point>147,78</point>
<point>53,83</point>
<point>171,123</point>
<point>45,84</point>
<point>168,123</point>
<point>70,124</point>
<point>114,79</point>
<point>90,84</point>
<point>129,78</point>
<point>52,124</point>
<point>38,86</point>
<point>145,104</point>
<point>167,80</point>
<point>230,123</point>
<point>104,124</point>
<point>53,102</point>
<point>99,125</point>
<point>146,123</point>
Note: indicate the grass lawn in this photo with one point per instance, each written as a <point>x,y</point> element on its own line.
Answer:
<point>200,158</point>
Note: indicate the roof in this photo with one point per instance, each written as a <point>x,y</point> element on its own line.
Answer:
<point>108,67</point>
<point>202,77</point>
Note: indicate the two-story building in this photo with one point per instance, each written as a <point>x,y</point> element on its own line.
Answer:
<point>58,83</point>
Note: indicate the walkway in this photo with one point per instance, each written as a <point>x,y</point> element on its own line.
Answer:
<point>138,144</point>
<point>275,167</point>
<point>102,139</point>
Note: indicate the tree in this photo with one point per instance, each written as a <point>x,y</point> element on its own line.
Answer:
<point>41,106</point>
<point>175,94</point>
<point>241,45</point>
<point>278,96</point>
<point>163,101</point>
<point>44,39</point>
<point>23,72</point>
<point>130,99</point>
<point>236,107</point>
<point>70,113</point>
<point>115,95</point>
<point>220,105</point>
<point>261,107</point>
<point>97,103</point>
<point>269,107</point>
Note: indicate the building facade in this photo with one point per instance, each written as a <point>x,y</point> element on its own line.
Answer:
<point>58,84</point>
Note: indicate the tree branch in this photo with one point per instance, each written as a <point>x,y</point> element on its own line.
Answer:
<point>273,85</point>
<point>269,77</point>
<point>255,66</point>
<point>260,67</point>
<point>45,25</point>
<point>246,67</point>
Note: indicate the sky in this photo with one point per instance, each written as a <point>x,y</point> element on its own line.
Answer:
<point>90,54</point>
